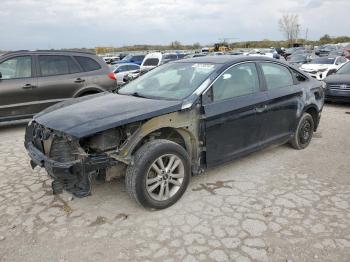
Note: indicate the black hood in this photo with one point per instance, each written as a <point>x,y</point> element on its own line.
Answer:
<point>338,79</point>
<point>91,114</point>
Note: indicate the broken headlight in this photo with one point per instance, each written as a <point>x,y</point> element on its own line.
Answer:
<point>104,141</point>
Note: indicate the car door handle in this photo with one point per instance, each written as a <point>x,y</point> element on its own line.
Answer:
<point>79,80</point>
<point>261,109</point>
<point>28,86</point>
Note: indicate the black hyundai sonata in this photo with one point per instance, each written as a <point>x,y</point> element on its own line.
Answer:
<point>172,122</point>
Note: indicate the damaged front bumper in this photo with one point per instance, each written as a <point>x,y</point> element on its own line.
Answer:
<point>73,176</point>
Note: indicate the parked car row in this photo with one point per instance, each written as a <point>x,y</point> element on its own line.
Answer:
<point>148,62</point>
<point>320,67</point>
<point>318,63</point>
<point>176,120</point>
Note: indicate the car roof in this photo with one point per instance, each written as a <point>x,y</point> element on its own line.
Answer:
<point>226,59</point>
<point>66,52</point>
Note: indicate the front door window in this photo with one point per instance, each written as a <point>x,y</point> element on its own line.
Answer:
<point>17,67</point>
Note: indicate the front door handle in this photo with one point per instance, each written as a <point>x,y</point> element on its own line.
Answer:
<point>79,80</point>
<point>261,109</point>
<point>28,86</point>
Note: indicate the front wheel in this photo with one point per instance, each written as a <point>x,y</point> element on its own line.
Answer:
<point>159,174</point>
<point>304,132</point>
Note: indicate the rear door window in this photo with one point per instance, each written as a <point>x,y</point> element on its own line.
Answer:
<point>51,65</point>
<point>88,64</point>
<point>17,67</point>
<point>277,76</point>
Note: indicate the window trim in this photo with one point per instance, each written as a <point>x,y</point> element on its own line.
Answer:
<point>40,74</point>
<point>32,75</point>
<point>210,89</point>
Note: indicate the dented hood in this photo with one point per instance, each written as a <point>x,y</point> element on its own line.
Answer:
<point>85,116</point>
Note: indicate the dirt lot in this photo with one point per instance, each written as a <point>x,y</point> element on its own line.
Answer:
<point>276,205</point>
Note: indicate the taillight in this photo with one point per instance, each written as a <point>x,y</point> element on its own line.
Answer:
<point>112,76</point>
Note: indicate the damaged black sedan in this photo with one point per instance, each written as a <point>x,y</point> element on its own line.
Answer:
<point>173,122</point>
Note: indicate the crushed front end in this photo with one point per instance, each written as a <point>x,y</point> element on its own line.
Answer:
<point>64,159</point>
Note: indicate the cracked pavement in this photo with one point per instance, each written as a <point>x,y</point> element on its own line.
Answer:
<point>274,205</point>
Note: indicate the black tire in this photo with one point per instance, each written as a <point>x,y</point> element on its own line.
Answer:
<point>304,132</point>
<point>138,170</point>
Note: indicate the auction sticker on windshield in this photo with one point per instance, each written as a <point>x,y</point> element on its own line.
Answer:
<point>203,66</point>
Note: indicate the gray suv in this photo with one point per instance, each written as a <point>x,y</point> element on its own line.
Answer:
<point>31,81</point>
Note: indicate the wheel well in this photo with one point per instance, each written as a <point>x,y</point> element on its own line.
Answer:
<point>313,112</point>
<point>164,133</point>
<point>86,93</point>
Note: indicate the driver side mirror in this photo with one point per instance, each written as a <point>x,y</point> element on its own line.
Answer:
<point>127,78</point>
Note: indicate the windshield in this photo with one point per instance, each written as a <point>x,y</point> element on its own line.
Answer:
<point>345,69</point>
<point>323,61</point>
<point>171,81</point>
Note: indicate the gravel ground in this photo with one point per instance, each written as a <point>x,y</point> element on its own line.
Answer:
<point>275,205</point>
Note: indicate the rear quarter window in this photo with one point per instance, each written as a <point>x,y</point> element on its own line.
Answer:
<point>151,62</point>
<point>277,76</point>
<point>88,64</point>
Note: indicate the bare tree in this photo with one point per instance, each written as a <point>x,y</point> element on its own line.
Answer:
<point>175,44</point>
<point>290,27</point>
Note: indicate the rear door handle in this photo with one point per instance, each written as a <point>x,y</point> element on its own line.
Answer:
<point>79,80</point>
<point>261,109</point>
<point>28,86</point>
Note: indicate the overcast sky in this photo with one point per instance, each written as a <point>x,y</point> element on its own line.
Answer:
<point>43,24</point>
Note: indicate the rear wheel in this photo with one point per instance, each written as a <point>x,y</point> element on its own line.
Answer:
<point>304,132</point>
<point>159,174</point>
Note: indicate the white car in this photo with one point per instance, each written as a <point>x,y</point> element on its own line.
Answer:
<point>271,53</point>
<point>121,70</point>
<point>319,67</point>
<point>151,60</point>
<point>109,59</point>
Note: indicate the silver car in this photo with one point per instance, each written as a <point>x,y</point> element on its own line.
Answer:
<point>121,70</point>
